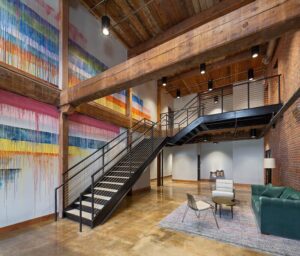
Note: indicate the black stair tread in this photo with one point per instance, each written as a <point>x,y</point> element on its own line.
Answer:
<point>112,181</point>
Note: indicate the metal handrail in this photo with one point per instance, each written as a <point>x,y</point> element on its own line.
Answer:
<point>106,144</point>
<point>102,155</point>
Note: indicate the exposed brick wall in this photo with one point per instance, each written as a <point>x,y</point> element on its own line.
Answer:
<point>284,139</point>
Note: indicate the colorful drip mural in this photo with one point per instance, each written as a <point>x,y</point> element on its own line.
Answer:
<point>29,154</point>
<point>29,41</point>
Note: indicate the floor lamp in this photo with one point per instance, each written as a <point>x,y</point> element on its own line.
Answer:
<point>269,164</point>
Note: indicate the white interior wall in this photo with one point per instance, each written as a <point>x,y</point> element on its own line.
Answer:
<point>166,101</point>
<point>182,101</point>
<point>248,157</point>
<point>105,48</point>
<point>216,157</point>
<point>241,161</point>
<point>143,181</point>
<point>185,162</point>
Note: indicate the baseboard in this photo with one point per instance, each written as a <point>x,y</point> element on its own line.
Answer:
<point>27,223</point>
<point>168,176</point>
<point>141,190</point>
<point>185,181</point>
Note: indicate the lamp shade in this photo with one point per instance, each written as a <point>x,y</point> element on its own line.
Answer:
<point>269,163</point>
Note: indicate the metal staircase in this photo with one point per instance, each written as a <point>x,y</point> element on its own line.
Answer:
<point>94,187</point>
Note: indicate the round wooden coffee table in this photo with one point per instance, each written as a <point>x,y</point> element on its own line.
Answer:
<point>219,201</point>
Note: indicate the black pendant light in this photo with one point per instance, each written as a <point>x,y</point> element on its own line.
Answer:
<point>164,81</point>
<point>216,99</point>
<point>205,139</point>
<point>202,68</point>
<point>253,133</point>
<point>255,51</point>
<point>178,93</point>
<point>105,25</point>
<point>210,85</point>
<point>250,74</point>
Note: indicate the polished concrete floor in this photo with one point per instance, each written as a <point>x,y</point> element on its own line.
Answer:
<point>133,230</point>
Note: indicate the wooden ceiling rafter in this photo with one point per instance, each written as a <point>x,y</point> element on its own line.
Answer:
<point>235,31</point>
<point>207,14</point>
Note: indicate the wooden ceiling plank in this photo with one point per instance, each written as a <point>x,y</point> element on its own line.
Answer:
<point>196,6</point>
<point>237,30</point>
<point>210,14</point>
<point>189,7</point>
<point>149,22</point>
<point>134,20</point>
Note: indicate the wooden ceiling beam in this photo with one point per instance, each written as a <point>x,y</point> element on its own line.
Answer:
<point>227,61</point>
<point>199,19</point>
<point>252,24</point>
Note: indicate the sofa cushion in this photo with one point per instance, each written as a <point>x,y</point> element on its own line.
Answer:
<point>290,193</point>
<point>273,192</point>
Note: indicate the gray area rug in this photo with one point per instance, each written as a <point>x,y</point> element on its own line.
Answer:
<point>242,230</point>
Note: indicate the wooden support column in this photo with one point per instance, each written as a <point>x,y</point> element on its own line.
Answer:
<point>159,170</point>
<point>129,105</point>
<point>158,104</point>
<point>65,109</point>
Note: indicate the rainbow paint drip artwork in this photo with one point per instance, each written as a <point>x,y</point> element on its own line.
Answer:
<point>29,154</point>
<point>28,41</point>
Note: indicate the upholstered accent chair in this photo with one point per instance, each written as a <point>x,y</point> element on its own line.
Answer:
<point>224,188</point>
<point>198,206</point>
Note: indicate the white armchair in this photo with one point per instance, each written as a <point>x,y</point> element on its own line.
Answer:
<point>224,188</point>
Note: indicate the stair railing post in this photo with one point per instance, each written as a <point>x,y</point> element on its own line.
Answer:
<point>93,197</point>
<point>152,137</point>
<point>80,213</point>
<point>103,162</point>
<point>187,116</point>
<point>222,100</point>
<point>55,201</point>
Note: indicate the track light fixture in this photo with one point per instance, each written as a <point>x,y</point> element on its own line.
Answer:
<point>105,25</point>
<point>164,81</point>
<point>202,68</point>
<point>253,133</point>
<point>255,51</point>
<point>210,85</point>
<point>178,93</point>
<point>216,99</point>
<point>250,74</point>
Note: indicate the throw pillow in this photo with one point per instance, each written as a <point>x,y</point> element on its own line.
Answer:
<point>294,196</point>
<point>287,193</point>
<point>274,192</point>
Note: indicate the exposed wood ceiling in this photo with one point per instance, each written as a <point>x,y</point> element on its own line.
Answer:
<point>156,17</point>
<point>236,31</point>
<point>229,70</point>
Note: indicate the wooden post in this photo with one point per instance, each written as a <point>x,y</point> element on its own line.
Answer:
<point>158,105</point>
<point>64,110</point>
<point>129,105</point>
<point>159,170</point>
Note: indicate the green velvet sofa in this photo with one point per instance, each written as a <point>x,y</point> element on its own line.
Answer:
<point>277,210</point>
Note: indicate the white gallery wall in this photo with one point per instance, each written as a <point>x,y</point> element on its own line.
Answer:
<point>241,161</point>
<point>216,157</point>
<point>185,162</point>
<point>248,157</point>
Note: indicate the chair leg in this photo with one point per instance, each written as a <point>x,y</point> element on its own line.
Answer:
<point>186,209</point>
<point>213,212</point>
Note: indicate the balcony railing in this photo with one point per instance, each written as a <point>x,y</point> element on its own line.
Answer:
<point>244,95</point>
